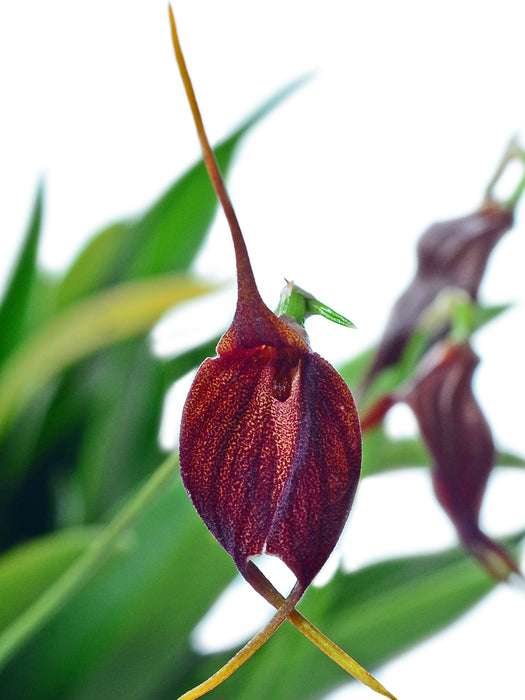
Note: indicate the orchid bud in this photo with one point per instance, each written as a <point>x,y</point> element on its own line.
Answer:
<point>449,254</point>
<point>460,442</point>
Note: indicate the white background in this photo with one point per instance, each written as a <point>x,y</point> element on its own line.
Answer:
<point>408,112</point>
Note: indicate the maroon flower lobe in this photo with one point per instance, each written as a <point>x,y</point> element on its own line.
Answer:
<point>270,454</point>
<point>460,441</point>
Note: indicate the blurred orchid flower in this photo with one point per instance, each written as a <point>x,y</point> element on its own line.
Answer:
<point>460,443</point>
<point>450,254</point>
<point>437,311</point>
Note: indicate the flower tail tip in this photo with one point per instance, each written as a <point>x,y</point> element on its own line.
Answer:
<point>496,560</point>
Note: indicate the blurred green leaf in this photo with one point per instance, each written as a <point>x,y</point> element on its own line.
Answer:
<point>120,439</point>
<point>354,369</point>
<point>13,308</point>
<point>177,367</point>
<point>86,455</point>
<point>166,237</point>
<point>28,570</point>
<point>373,614</point>
<point>78,331</point>
<point>184,213</point>
<point>126,633</point>
<point>90,270</point>
<point>120,444</point>
<point>382,453</point>
<point>509,459</point>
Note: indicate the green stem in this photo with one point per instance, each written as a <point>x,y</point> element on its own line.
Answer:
<point>72,580</point>
<point>298,304</point>
<point>513,152</point>
<point>512,201</point>
<point>292,303</point>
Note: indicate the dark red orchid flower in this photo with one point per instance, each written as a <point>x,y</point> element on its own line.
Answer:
<point>459,440</point>
<point>449,254</point>
<point>270,446</point>
<point>270,442</point>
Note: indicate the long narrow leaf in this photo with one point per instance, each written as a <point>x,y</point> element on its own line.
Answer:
<point>13,308</point>
<point>126,633</point>
<point>92,268</point>
<point>168,235</point>
<point>187,207</point>
<point>27,571</point>
<point>84,328</point>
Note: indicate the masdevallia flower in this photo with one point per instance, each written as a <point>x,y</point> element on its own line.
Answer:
<point>460,443</point>
<point>270,447</point>
<point>270,443</point>
<point>450,254</point>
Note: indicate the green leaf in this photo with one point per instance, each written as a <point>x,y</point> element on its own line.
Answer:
<point>382,453</point>
<point>13,308</point>
<point>120,440</point>
<point>177,367</point>
<point>91,269</point>
<point>168,235</point>
<point>373,614</point>
<point>84,328</point>
<point>509,459</point>
<point>126,633</point>
<point>28,570</point>
<point>354,370</point>
<point>119,445</point>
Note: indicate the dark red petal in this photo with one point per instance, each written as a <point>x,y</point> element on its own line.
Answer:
<point>264,472</point>
<point>228,456</point>
<point>455,431</point>
<point>460,441</point>
<point>323,475</point>
<point>458,250</point>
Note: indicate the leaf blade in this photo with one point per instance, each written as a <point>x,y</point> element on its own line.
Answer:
<point>88,326</point>
<point>13,307</point>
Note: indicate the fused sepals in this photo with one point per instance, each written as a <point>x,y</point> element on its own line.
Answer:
<point>270,453</point>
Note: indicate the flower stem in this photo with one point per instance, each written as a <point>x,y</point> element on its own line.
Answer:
<point>513,152</point>
<point>265,588</point>
<point>72,580</point>
<point>284,609</point>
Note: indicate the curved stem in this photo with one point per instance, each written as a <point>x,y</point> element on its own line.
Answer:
<point>513,152</point>
<point>284,609</point>
<point>265,588</point>
<point>245,278</point>
<point>63,589</point>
